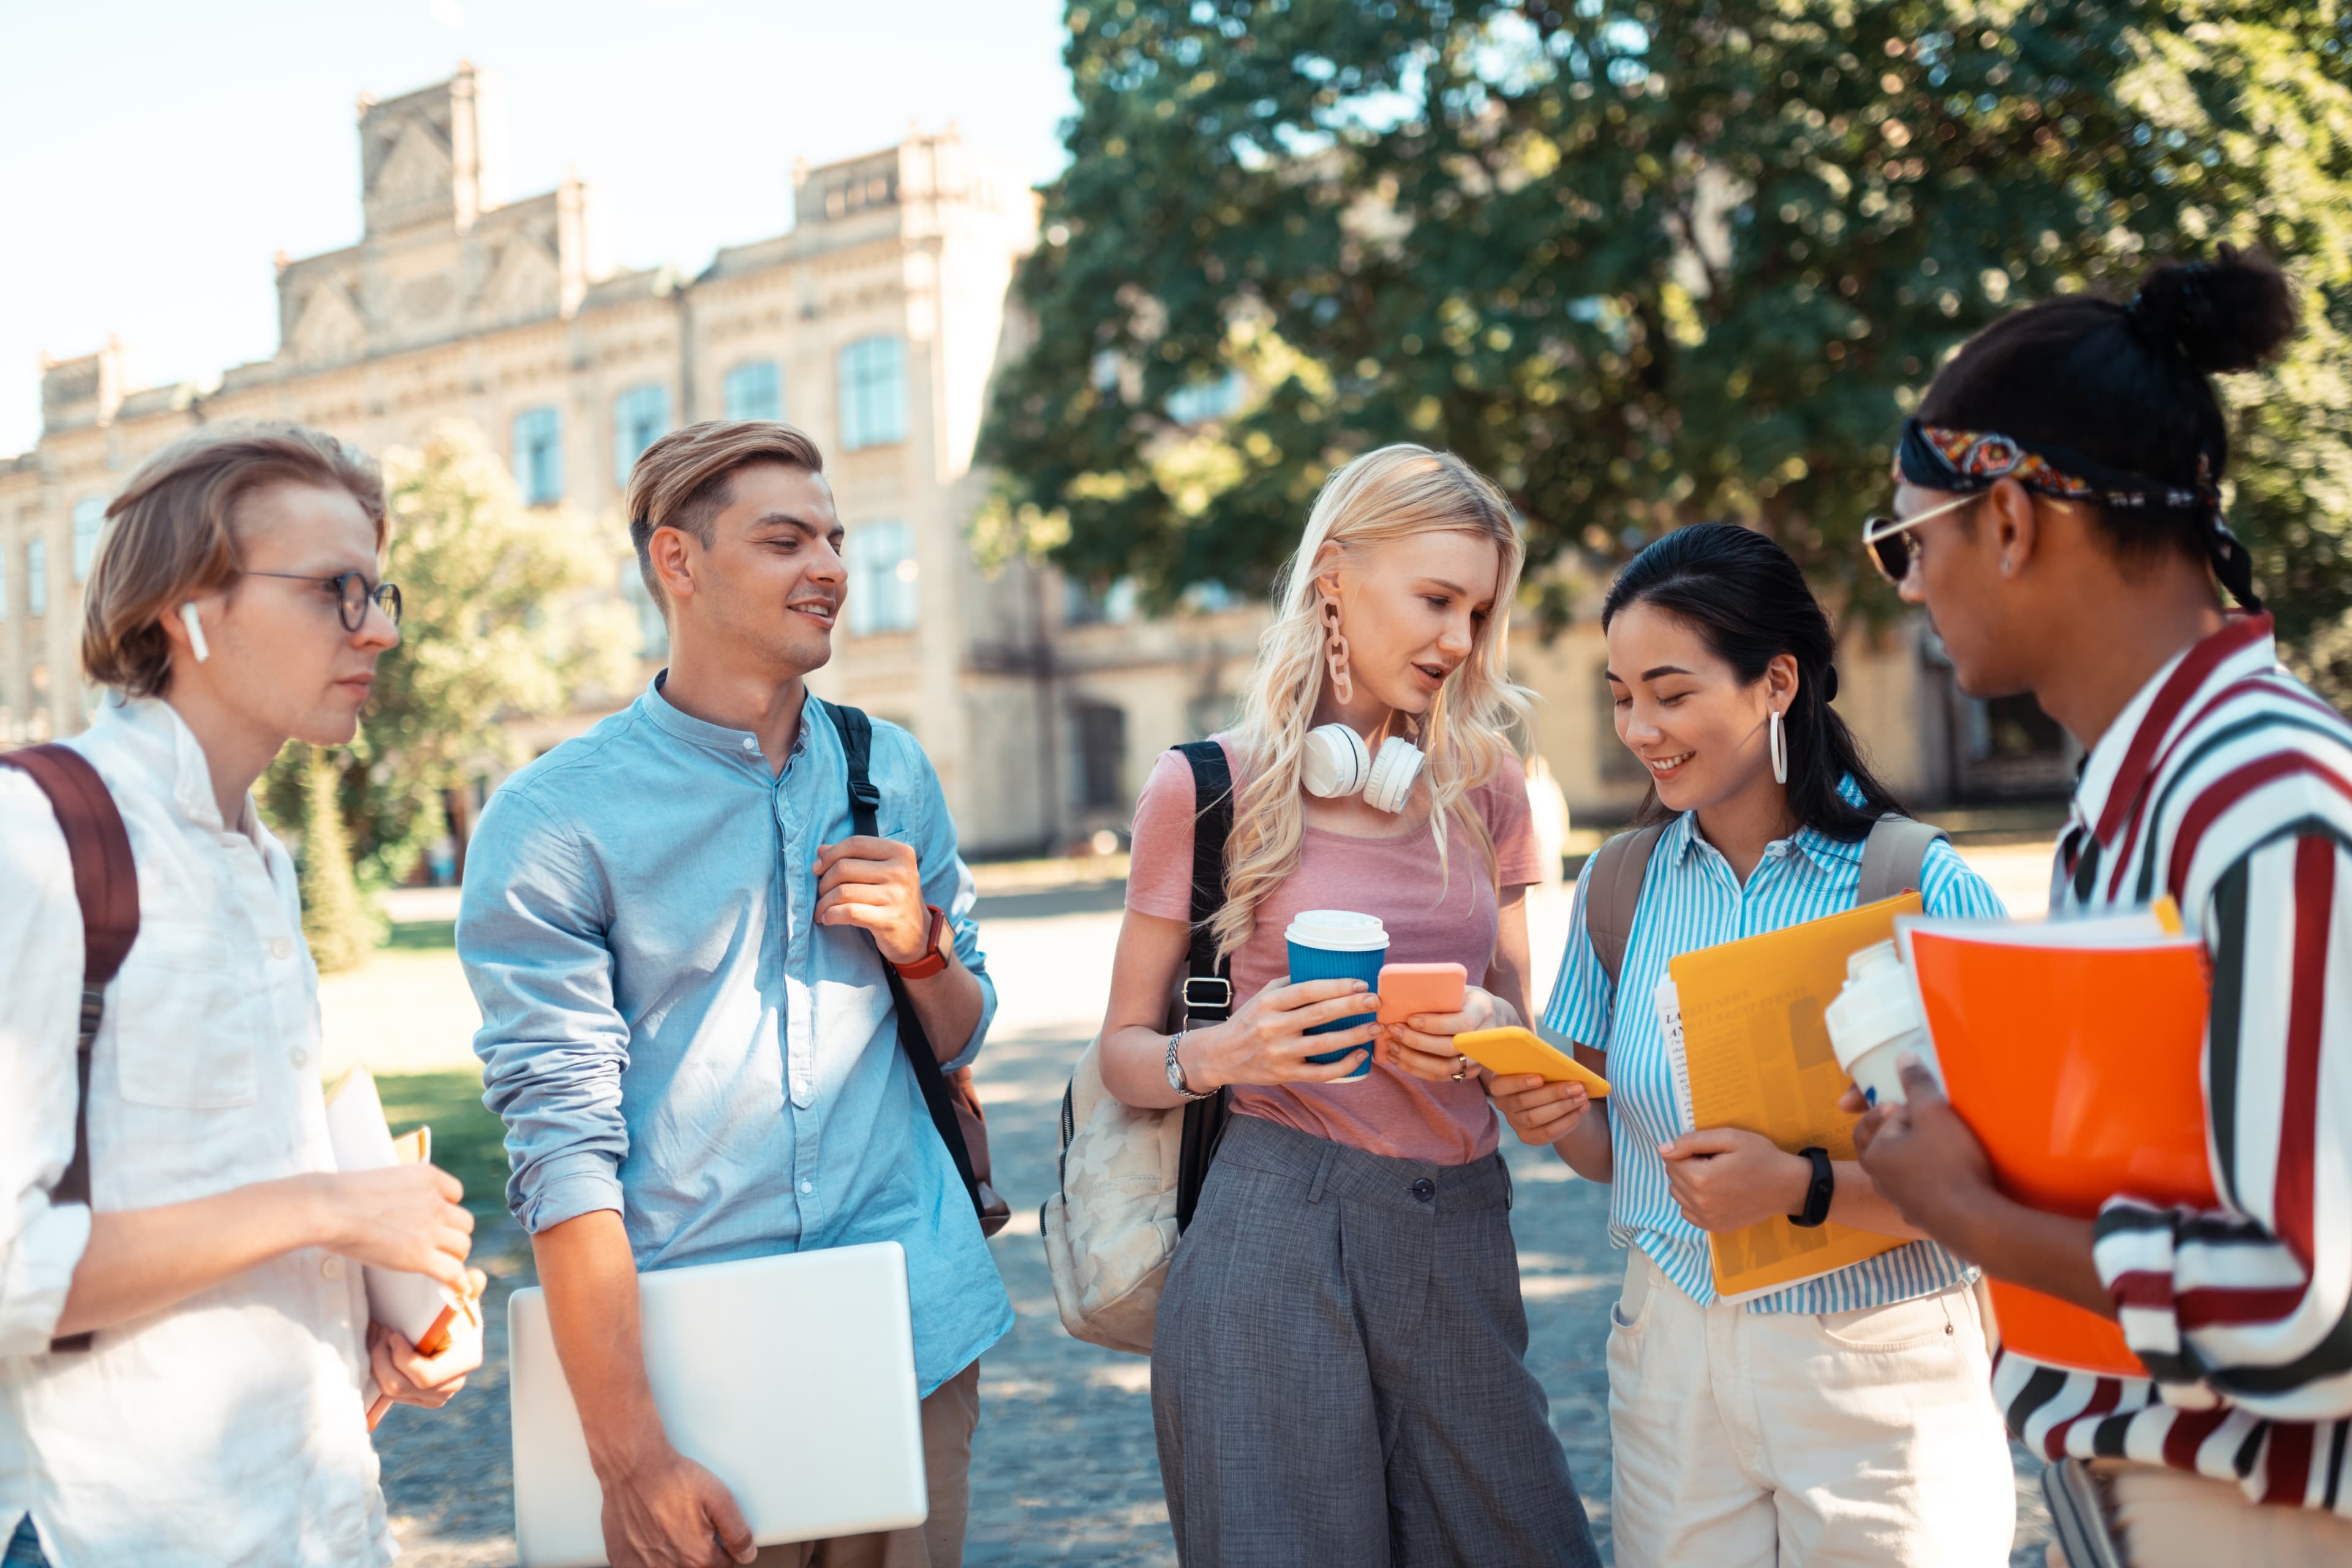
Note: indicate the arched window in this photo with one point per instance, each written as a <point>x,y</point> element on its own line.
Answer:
<point>538,455</point>
<point>881,578</point>
<point>873,393</point>
<point>88,522</point>
<point>640,418</point>
<point>755,391</point>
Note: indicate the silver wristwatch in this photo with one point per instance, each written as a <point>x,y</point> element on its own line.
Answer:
<point>1176,1071</point>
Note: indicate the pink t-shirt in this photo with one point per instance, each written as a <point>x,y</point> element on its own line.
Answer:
<point>1428,922</point>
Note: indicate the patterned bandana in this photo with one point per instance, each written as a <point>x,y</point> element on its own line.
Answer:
<point>1936,457</point>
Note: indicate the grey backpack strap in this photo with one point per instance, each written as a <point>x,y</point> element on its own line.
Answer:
<point>1892,858</point>
<point>1613,893</point>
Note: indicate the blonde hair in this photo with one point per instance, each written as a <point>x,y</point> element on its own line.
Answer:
<point>681,481</point>
<point>174,535</point>
<point>1395,492</point>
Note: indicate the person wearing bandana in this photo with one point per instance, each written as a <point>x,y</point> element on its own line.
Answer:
<point>2059,513</point>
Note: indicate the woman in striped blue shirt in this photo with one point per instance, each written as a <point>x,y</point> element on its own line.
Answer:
<point>1843,1419</point>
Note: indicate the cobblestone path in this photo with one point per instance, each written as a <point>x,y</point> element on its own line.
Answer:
<point>1064,1469</point>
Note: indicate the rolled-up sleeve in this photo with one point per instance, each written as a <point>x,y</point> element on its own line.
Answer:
<point>948,882</point>
<point>531,931</point>
<point>41,1243</point>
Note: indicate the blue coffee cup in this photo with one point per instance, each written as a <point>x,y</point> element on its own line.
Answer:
<point>1338,944</point>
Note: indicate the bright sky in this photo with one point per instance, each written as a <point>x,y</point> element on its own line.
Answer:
<point>158,154</point>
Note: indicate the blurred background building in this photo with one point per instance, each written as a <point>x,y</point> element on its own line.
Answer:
<point>876,325</point>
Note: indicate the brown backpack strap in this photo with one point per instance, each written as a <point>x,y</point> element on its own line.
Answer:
<point>1893,856</point>
<point>1613,893</point>
<point>106,885</point>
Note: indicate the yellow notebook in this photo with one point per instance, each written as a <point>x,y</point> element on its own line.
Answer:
<point>1755,1055</point>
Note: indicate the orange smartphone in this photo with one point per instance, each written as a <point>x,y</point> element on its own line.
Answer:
<point>1406,989</point>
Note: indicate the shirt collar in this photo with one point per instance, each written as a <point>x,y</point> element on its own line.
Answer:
<point>738,745</point>
<point>1682,835</point>
<point>150,734</point>
<point>2119,765</point>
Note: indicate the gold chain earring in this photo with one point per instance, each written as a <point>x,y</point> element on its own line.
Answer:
<point>1335,652</point>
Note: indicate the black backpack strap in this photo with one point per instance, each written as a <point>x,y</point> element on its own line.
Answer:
<point>106,885</point>
<point>857,732</point>
<point>1208,989</point>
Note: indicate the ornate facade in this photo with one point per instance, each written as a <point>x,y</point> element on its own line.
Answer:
<point>876,324</point>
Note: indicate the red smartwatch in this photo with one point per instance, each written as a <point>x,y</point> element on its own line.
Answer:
<point>935,957</point>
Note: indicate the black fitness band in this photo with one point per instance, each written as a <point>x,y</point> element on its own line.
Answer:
<point>1819,1192</point>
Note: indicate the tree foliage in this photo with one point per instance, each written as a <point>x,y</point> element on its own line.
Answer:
<point>1644,261</point>
<point>509,613</point>
<point>335,921</point>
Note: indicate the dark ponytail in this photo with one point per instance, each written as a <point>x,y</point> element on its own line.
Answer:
<point>2129,386</point>
<point>1745,595</point>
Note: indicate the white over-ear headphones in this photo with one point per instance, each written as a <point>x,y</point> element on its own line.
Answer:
<point>1339,763</point>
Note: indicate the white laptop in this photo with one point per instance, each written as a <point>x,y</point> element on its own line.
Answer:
<point>791,1378</point>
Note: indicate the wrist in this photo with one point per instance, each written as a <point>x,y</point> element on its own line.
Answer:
<point>313,1217</point>
<point>1196,1054</point>
<point>630,1449</point>
<point>1792,1182</point>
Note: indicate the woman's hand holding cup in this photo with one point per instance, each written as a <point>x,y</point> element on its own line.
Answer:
<point>1265,1041</point>
<point>1423,1043</point>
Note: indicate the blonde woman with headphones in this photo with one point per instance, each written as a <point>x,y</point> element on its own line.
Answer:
<point>1337,1373</point>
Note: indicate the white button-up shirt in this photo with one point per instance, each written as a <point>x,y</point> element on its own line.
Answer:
<point>227,1429</point>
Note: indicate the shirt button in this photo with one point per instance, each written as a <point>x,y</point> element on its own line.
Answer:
<point>281,948</point>
<point>299,1056</point>
<point>333,1268</point>
<point>750,743</point>
<point>808,1186</point>
<point>1426,1190</point>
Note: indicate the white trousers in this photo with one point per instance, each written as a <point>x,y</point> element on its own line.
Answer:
<point>1748,1439</point>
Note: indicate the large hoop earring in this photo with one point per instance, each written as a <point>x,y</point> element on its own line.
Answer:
<point>1780,751</point>
<point>1335,652</point>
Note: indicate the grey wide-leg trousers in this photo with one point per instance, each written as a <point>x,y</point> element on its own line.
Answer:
<point>1339,1374</point>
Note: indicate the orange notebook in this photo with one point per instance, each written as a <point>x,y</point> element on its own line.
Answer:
<point>1755,1053</point>
<point>2073,1049</point>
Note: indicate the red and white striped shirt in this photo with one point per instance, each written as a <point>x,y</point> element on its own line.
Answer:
<point>2228,784</point>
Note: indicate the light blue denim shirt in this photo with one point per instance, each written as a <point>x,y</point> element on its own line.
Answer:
<point>668,1035</point>
<point>1691,900</point>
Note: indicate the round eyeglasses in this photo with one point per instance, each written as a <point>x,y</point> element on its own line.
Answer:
<point>353,594</point>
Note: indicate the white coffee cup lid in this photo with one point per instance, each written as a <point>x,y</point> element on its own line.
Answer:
<point>1879,1004</point>
<point>1337,931</point>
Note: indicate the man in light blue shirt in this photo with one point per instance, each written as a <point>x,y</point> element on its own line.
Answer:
<point>677,946</point>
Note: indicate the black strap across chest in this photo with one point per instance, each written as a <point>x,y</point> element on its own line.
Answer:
<point>857,732</point>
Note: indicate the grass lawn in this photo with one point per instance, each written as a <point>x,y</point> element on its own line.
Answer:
<point>467,1141</point>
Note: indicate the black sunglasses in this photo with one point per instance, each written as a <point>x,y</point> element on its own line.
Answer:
<point>1888,539</point>
<point>352,595</point>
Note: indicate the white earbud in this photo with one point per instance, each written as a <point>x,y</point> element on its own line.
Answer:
<point>195,631</point>
<point>1338,763</point>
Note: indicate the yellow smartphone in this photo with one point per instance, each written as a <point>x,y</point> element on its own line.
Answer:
<point>1512,1049</point>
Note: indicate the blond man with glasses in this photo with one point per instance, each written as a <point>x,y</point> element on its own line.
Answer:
<point>185,1355</point>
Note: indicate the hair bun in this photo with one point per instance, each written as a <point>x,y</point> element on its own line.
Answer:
<point>2227,314</point>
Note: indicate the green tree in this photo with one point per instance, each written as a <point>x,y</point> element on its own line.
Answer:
<point>1646,261</point>
<point>509,612</point>
<point>335,920</point>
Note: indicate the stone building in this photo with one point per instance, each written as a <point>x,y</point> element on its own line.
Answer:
<point>876,323</point>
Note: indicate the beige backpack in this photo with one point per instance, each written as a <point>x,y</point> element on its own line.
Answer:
<point>1130,1179</point>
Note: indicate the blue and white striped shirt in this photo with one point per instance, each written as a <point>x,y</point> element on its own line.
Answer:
<point>1691,900</point>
